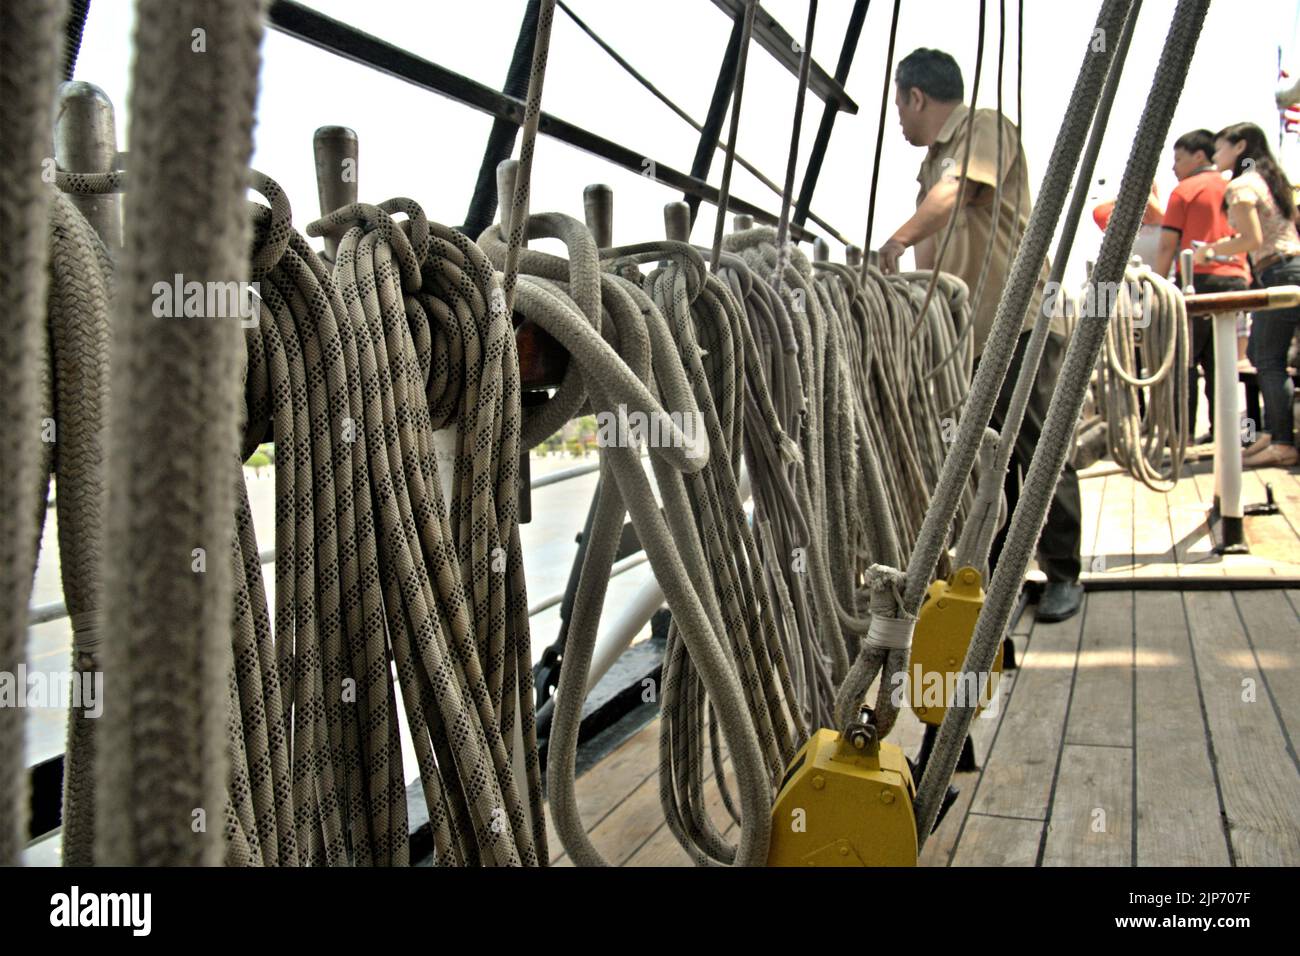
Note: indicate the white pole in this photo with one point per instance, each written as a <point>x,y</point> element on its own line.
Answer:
<point>1227,429</point>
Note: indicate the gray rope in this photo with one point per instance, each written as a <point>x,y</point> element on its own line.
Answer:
<point>1139,442</point>
<point>172,437</point>
<point>1058,431</point>
<point>978,543</point>
<point>30,41</point>
<point>953,483</point>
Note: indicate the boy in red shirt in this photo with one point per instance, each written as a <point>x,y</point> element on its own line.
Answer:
<point>1195,214</point>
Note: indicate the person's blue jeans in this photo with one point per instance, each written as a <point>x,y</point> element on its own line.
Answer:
<point>1270,339</point>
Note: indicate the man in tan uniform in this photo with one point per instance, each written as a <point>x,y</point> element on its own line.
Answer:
<point>995,207</point>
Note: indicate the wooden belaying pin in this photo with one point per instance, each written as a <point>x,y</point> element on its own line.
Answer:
<point>853,256</point>
<point>336,151</point>
<point>677,222</point>
<point>821,250</point>
<point>85,141</point>
<point>507,174</point>
<point>598,209</point>
<point>742,221</point>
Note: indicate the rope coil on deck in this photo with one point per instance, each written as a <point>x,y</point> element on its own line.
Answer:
<point>1146,352</point>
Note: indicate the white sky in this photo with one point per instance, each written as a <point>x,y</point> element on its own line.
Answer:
<point>418,144</point>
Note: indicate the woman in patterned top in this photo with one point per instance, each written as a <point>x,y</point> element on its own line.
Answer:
<point>1260,208</point>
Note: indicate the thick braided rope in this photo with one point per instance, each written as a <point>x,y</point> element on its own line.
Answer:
<point>1011,308</point>
<point>532,116</point>
<point>440,343</point>
<point>1058,431</point>
<point>79,299</point>
<point>672,539</point>
<point>30,33</point>
<point>172,439</point>
<point>864,508</point>
<point>977,536</point>
<point>744,604</point>
<point>1139,440</point>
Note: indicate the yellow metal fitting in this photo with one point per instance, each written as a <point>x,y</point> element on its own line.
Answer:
<point>944,627</point>
<point>843,806</point>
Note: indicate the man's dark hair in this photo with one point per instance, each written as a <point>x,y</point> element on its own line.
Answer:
<point>933,72</point>
<point>1197,141</point>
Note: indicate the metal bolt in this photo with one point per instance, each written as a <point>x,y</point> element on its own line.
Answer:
<point>819,782</point>
<point>844,851</point>
<point>886,796</point>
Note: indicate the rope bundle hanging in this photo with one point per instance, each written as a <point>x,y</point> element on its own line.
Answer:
<point>619,367</point>
<point>865,507</point>
<point>350,373</point>
<point>29,57</point>
<point>1144,379</point>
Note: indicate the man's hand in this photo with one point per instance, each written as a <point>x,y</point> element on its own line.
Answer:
<point>889,254</point>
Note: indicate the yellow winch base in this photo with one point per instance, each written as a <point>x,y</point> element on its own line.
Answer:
<point>844,806</point>
<point>944,626</point>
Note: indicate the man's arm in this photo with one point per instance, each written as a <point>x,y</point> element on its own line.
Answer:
<point>1171,237</point>
<point>1243,217</point>
<point>930,217</point>
<point>1168,249</point>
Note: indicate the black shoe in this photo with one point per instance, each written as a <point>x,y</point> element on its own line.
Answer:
<point>1061,600</point>
<point>1206,439</point>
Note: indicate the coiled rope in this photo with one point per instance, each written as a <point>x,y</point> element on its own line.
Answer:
<point>1148,439</point>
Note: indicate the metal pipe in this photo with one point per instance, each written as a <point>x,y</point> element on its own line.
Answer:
<point>620,567</point>
<point>1247,300</point>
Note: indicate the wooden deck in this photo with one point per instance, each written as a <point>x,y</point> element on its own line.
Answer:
<point>1155,728</point>
<point>1134,532</point>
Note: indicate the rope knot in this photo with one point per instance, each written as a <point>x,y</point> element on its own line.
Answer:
<point>890,628</point>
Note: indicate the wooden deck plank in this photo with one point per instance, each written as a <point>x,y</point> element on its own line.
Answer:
<point>1178,822</point>
<point>1193,546</point>
<point>1101,711</point>
<point>1018,774</point>
<point>1262,531</point>
<point>1272,625</point>
<point>662,849</point>
<point>1257,775</point>
<point>1114,548</point>
<point>1153,544</point>
<point>1092,492</point>
<point>939,847</point>
<point>1274,538</point>
<point>998,841</point>
<point>609,783</point>
<point>1092,808</point>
